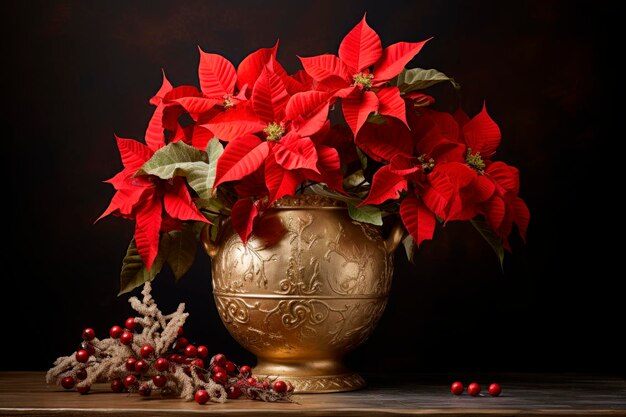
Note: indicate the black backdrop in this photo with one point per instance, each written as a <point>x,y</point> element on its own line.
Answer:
<point>81,71</point>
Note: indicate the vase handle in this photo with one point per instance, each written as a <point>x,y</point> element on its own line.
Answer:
<point>395,237</point>
<point>209,246</point>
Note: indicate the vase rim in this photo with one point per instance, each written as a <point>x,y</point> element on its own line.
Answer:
<point>308,201</point>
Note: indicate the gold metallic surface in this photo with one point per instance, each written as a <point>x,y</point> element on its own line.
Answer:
<point>310,286</point>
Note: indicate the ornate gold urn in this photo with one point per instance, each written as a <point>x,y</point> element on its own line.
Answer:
<point>309,286</point>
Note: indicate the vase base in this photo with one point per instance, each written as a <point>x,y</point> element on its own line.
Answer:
<point>324,384</point>
<point>310,376</point>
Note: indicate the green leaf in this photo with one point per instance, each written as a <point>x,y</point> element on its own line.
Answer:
<point>376,118</point>
<point>214,150</point>
<point>214,232</point>
<point>134,272</point>
<point>323,191</point>
<point>366,214</point>
<point>409,246</point>
<point>419,79</point>
<point>177,158</point>
<point>200,174</point>
<point>355,179</point>
<point>182,250</point>
<point>211,206</point>
<point>362,158</point>
<point>491,237</point>
<point>198,178</point>
<point>197,227</point>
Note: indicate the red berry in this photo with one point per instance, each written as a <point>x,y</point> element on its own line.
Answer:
<point>201,396</point>
<point>245,370</point>
<point>198,363</point>
<point>115,332</point>
<point>230,367</point>
<point>89,348</point>
<point>220,378</point>
<point>191,351</point>
<point>473,389</point>
<point>203,351</point>
<point>181,343</point>
<point>162,364</point>
<point>67,382</point>
<point>251,380</point>
<point>280,387</point>
<point>129,381</point>
<point>266,384</point>
<point>141,366</point>
<point>82,356</point>
<point>219,360</point>
<point>179,358</point>
<point>84,389</point>
<point>457,388</point>
<point>495,389</point>
<point>117,385</point>
<point>180,331</point>
<point>233,392</point>
<point>144,390</point>
<point>159,381</point>
<point>146,351</point>
<point>126,338</point>
<point>88,334</point>
<point>130,323</point>
<point>130,364</point>
<point>217,369</point>
<point>81,374</point>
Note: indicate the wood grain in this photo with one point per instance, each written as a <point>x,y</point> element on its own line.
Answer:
<point>26,394</point>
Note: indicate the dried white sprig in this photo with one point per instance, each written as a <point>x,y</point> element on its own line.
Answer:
<point>109,360</point>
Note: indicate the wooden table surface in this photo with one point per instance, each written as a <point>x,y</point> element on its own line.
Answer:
<point>25,393</point>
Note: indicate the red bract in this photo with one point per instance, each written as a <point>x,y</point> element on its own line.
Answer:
<point>359,74</point>
<point>280,140</point>
<point>151,202</point>
<point>148,200</point>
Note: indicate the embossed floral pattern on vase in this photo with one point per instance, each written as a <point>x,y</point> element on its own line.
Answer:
<point>311,284</point>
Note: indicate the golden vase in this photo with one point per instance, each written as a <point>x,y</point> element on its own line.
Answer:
<point>309,286</point>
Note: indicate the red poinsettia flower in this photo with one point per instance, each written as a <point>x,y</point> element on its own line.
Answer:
<point>148,199</point>
<point>482,137</point>
<point>278,145</point>
<point>217,95</point>
<point>281,139</point>
<point>221,103</point>
<point>505,207</point>
<point>432,189</point>
<point>441,167</point>
<point>359,74</point>
<point>237,117</point>
<point>154,204</point>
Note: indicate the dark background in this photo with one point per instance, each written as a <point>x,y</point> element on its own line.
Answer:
<point>81,71</point>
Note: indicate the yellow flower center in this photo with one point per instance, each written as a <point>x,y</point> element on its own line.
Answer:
<point>364,79</point>
<point>274,131</point>
<point>228,103</point>
<point>475,161</point>
<point>427,165</point>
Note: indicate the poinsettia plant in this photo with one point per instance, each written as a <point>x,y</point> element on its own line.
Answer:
<point>253,134</point>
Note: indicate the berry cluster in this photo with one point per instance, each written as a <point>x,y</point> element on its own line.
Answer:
<point>473,389</point>
<point>150,355</point>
